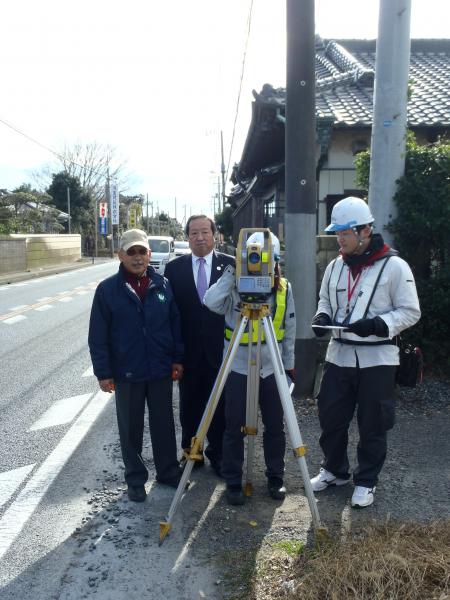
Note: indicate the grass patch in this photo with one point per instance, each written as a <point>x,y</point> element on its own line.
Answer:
<point>291,547</point>
<point>389,561</point>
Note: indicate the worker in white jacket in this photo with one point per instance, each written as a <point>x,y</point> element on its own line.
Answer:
<point>370,292</point>
<point>223,298</point>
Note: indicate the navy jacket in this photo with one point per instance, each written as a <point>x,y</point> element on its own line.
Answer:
<point>130,340</point>
<point>203,330</point>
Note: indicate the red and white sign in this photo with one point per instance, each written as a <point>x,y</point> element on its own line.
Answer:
<point>103,209</point>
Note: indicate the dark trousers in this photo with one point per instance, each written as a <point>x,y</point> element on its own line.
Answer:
<point>195,389</point>
<point>372,392</point>
<point>130,407</point>
<point>274,439</point>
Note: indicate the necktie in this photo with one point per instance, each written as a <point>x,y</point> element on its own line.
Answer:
<point>202,286</point>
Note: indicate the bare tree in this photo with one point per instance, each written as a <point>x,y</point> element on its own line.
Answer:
<point>89,162</point>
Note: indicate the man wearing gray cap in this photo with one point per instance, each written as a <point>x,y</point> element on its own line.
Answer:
<point>136,350</point>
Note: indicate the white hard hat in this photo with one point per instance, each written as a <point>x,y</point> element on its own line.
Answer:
<point>349,212</point>
<point>258,238</point>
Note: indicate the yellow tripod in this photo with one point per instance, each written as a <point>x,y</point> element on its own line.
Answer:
<point>259,315</point>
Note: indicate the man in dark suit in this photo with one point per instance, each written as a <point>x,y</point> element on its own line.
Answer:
<point>202,331</point>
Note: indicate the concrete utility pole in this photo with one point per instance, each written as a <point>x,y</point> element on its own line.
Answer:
<point>147,212</point>
<point>108,200</point>
<point>300,183</point>
<point>387,161</point>
<point>68,207</point>
<point>222,170</point>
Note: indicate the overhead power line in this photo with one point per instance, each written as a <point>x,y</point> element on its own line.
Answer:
<point>249,24</point>
<point>57,154</point>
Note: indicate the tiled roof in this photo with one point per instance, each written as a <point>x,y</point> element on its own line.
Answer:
<point>345,78</point>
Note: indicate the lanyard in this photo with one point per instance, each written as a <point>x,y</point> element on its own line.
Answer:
<point>351,289</point>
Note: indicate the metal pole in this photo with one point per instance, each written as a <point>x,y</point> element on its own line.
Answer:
<point>300,183</point>
<point>387,160</point>
<point>218,195</point>
<point>96,227</point>
<point>108,200</point>
<point>222,170</point>
<point>68,206</point>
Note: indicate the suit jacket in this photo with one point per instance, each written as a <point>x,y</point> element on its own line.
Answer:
<point>201,329</point>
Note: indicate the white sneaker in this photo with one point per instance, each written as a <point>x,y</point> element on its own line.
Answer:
<point>325,479</point>
<point>363,496</point>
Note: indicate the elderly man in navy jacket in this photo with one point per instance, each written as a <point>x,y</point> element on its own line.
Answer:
<point>136,349</point>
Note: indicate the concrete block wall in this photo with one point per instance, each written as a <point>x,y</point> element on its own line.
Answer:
<point>327,250</point>
<point>39,251</point>
<point>12,254</point>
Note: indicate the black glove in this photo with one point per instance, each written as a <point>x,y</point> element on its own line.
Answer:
<point>365,327</point>
<point>320,319</point>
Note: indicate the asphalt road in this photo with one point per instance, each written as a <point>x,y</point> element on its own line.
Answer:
<point>65,521</point>
<point>52,418</point>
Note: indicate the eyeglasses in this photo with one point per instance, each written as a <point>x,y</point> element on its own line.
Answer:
<point>140,250</point>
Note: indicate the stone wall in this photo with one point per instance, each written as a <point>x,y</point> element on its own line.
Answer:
<point>327,249</point>
<point>20,252</point>
<point>13,256</point>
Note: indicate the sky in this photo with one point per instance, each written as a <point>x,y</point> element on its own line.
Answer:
<point>158,80</point>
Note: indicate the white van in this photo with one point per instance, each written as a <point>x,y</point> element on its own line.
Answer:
<point>163,250</point>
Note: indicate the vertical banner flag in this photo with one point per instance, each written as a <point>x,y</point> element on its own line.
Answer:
<point>103,225</point>
<point>132,218</point>
<point>103,209</point>
<point>114,196</point>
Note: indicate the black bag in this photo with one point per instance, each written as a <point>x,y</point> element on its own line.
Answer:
<point>410,369</point>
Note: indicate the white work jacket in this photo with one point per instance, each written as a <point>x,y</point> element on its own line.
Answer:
<point>385,289</point>
<point>223,299</point>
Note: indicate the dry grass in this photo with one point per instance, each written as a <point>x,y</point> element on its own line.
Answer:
<point>386,562</point>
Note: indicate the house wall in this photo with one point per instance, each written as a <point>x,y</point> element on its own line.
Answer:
<point>337,175</point>
<point>35,251</point>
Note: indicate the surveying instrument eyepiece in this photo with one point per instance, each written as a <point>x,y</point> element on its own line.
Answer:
<point>256,256</point>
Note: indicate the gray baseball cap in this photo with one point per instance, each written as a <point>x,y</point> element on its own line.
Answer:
<point>133,237</point>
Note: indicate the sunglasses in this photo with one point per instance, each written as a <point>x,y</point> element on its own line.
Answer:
<point>140,250</point>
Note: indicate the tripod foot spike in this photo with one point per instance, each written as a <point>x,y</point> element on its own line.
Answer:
<point>164,528</point>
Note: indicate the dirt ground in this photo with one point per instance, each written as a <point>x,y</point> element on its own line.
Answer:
<point>213,549</point>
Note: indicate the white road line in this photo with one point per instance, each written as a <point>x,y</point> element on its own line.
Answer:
<point>65,299</point>
<point>11,480</point>
<point>83,292</point>
<point>18,307</point>
<point>61,412</point>
<point>89,372</point>
<point>15,517</point>
<point>21,284</point>
<point>44,307</point>
<point>15,319</point>
<point>44,299</point>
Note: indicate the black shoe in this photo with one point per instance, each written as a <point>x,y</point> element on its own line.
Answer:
<point>137,493</point>
<point>277,491</point>
<point>174,481</point>
<point>235,495</point>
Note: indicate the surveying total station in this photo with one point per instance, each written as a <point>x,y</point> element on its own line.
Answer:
<point>255,279</point>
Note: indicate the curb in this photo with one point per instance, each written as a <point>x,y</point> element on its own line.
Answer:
<point>9,278</point>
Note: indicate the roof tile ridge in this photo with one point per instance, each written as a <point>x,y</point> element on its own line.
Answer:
<point>346,61</point>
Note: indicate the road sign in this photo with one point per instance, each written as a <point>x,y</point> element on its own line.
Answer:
<point>114,197</point>
<point>103,225</point>
<point>103,209</point>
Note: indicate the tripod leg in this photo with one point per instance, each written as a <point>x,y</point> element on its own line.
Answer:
<point>251,419</point>
<point>291,419</point>
<point>202,430</point>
